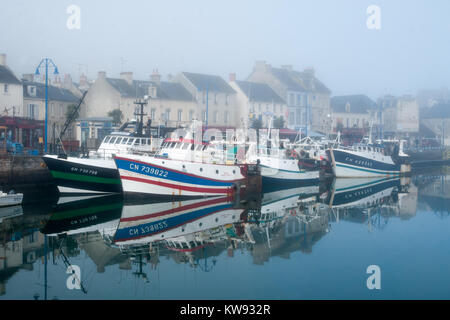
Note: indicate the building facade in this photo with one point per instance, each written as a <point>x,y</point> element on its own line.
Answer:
<point>257,101</point>
<point>353,111</point>
<point>169,103</point>
<point>307,99</point>
<point>400,116</point>
<point>11,97</point>
<point>215,99</point>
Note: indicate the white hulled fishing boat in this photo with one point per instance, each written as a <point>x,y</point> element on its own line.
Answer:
<point>182,168</point>
<point>369,160</point>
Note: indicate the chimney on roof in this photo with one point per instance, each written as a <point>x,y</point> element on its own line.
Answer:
<point>101,74</point>
<point>28,77</point>
<point>287,67</point>
<point>155,76</point>
<point>2,59</point>
<point>232,77</point>
<point>261,66</point>
<point>83,80</point>
<point>127,76</point>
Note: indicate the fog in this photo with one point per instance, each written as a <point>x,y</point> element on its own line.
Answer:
<point>409,52</point>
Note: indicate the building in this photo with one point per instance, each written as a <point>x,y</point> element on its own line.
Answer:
<point>215,99</point>
<point>400,116</point>
<point>353,112</point>
<point>59,100</point>
<point>437,119</point>
<point>90,132</point>
<point>257,101</point>
<point>11,97</point>
<point>308,99</point>
<point>169,103</point>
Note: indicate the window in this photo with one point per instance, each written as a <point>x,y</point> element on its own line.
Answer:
<point>167,114</point>
<point>153,113</point>
<point>107,138</point>
<point>215,98</point>
<point>225,117</point>
<point>191,115</point>
<point>5,88</point>
<point>203,115</point>
<point>291,118</point>
<point>130,141</point>
<point>113,140</point>
<point>180,112</point>
<point>291,99</point>
<point>125,140</point>
<point>216,116</point>
<point>185,146</point>
<point>298,118</point>
<point>119,140</point>
<point>226,99</point>
<point>299,99</point>
<point>137,142</point>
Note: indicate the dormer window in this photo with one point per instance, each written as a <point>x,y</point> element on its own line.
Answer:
<point>32,91</point>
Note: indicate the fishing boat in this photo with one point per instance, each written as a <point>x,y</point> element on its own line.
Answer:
<point>281,167</point>
<point>369,159</point>
<point>10,199</point>
<point>97,174</point>
<point>180,170</point>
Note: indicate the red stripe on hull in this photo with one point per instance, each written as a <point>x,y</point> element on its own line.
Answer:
<point>187,207</point>
<point>177,171</point>
<point>179,187</point>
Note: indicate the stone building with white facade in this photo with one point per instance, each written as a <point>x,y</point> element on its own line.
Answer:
<point>11,97</point>
<point>400,116</point>
<point>257,101</point>
<point>215,99</point>
<point>59,100</point>
<point>353,111</point>
<point>308,99</point>
<point>169,103</point>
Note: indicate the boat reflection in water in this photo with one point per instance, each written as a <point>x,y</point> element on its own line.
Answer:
<point>82,216</point>
<point>362,200</point>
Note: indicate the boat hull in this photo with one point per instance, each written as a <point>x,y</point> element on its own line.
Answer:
<point>164,178</point>
<point>74,176</point>
<point>347,164</point>
<point>11,200</point>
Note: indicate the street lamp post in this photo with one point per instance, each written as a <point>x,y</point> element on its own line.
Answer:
<point>46,63</point>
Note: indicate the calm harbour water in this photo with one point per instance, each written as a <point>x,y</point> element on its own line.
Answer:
<point>302,243</point>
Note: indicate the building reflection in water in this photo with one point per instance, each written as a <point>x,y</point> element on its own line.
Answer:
<point>136,237</point>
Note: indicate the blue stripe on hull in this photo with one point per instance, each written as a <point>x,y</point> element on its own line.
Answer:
<point>347,158</point>
<point>273,184</point>
<point>162,225</point>
<point>345,197</point>
<point>169,175</point>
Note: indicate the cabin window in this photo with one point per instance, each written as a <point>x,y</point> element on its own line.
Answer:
<point>130,142</point>
<point>113,140</point>
<point>107,139</point>
<point>124,141</point>
<point>178,145</point>
<point>144,141</point>
<point>118,140</point>
<point>186,145</point>
<point>137,142</point>
<point>204,147</point>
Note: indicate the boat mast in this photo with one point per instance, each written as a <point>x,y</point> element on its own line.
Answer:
<point>141,114</point>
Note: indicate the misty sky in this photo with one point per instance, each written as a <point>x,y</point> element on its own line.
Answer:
<point>410,52</point>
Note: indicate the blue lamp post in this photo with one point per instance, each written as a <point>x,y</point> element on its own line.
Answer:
<point>46,63</point>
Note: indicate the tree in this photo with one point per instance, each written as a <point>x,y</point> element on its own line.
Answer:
<point>257,124</point>
<point>278,122</point>
<point>117,116</point>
